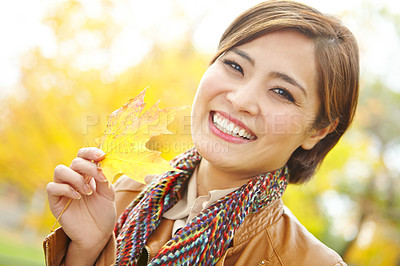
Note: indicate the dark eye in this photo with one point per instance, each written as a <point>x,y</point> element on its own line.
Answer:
<point>284,94</point>
<point>235,66</point>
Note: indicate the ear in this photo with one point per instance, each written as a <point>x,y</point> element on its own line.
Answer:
<point>318,134</point>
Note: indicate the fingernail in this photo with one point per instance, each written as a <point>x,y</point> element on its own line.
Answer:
<point>100,153</point>
<point>87,190</point>
<point>103,176</point>
<point>77,195</point>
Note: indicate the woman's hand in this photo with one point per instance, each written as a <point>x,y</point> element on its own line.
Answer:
<point>90,217</point>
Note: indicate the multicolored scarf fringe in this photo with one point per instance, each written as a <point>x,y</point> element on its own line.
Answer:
<point>207,237</point>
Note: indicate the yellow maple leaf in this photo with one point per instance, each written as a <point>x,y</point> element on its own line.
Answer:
<point>124,141</point>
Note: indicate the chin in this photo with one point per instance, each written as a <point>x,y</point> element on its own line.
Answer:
<point>218,154</point>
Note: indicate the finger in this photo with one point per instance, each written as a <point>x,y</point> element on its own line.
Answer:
<point>91,153</point>
<point>92,184</point>
<point>103,189</point>
<point>57,190</point>
<point>106,190</point>
<point>64,174</point>
<point>89,168</point>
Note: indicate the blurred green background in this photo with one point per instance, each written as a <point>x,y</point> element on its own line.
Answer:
<point>84,59</point>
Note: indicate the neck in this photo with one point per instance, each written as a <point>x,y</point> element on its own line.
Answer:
<point>212,178</point>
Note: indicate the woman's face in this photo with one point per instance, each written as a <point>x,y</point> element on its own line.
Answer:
<point>256,104</point>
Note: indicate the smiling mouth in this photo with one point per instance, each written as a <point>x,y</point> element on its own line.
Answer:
<point>230,128</point>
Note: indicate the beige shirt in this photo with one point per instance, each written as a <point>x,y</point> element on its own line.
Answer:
<point>190,205</point>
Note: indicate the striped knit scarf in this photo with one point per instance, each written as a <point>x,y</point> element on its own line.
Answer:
<point>207,237</point>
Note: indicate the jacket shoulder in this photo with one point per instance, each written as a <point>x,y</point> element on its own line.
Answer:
<point>292,242</point>
<point>273,236</point>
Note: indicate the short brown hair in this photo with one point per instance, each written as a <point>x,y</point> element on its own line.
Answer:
<point>337,61</point>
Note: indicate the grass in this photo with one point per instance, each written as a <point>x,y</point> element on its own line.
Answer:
<point>14,251</point>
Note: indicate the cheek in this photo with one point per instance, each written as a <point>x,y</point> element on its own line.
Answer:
<point>283,125</point>
<point>212,83</point>
<point>201,94</point>
<point>205,93</point>
<point>287,124</point>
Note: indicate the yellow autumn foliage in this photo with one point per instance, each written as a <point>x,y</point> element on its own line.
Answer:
<point>60,107</point>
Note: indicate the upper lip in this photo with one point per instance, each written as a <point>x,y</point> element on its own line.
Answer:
<point>235,121</point>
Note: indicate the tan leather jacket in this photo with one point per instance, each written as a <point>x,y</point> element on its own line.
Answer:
<point>272,236</point>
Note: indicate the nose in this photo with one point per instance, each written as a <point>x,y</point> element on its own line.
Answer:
<point>244,100</point>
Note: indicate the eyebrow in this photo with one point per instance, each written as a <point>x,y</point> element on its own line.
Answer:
<point>288,79</point>
<point>244,55</point>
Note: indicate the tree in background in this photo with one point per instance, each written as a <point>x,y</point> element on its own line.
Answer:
<point>63,103</point>
<point>64,100</point>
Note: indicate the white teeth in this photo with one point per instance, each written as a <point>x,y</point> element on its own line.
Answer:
<point>230,128</point>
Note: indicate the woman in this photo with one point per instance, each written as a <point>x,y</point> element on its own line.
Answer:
<point>278,95</point>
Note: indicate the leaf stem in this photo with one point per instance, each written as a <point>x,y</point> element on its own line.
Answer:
<point>59,216</point>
